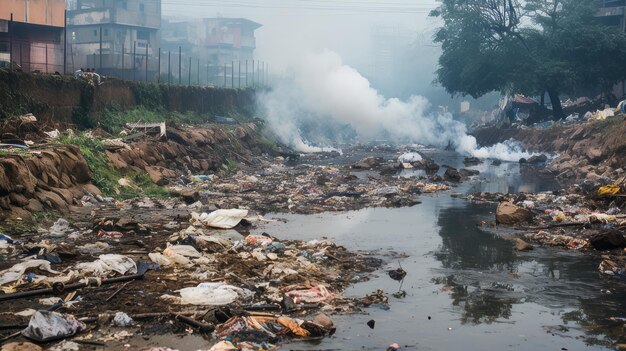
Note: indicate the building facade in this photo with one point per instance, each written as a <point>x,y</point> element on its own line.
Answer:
<point>213,44</point>
<point>33,41</point>
<point>118,38</point>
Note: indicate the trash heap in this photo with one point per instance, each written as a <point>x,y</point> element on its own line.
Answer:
<point>590,216</point>
<point>207,276</point>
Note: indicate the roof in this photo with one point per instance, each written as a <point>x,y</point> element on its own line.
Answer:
<point>521,99</point>
<point>236,21</point>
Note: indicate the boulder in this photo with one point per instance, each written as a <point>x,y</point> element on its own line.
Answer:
<point>612,239</point>
<point>368,163</point>
<point>538,159</point>
<point>160,175</point>
<point>427,165</point>
<point>594,154</point>
<point>521,245</point>
<point>496,162</point>
<point>466,173</point>
<point>452,175</point>
<point>472,161</point>
<point>189,195</point>
<point>508,214</point>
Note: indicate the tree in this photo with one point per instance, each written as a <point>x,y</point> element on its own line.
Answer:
<point>529,47</point>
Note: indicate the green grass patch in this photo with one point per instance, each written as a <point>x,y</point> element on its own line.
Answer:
<point>113,119</point>
<point>105,177</point>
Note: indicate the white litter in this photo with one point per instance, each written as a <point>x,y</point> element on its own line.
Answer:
<point>107,264</point>
<point>47,326</point>
<point>223,219</point>
<point>213,294</point>
<point>17,271</point>
<point>409,157</point>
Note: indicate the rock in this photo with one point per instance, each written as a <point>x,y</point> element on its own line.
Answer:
<point>613,239</point>
<point>521,245</point>
<point>472,161</point>
<point>452,175</point>
<point>324,321</point>
<point>427,165</point>
<point>20,346</point>
<point>371,323</point>
<point>368,163</point>
<point>523,160</point>
<point>189,195</point>
<point>34,206</point>
<point>592,176</point>
<point>537,159</point>
<point>466,173</point>
<point>508,214</point>
<point>496,163</point>
<point>241,133</point>
<point>18,199</point>
<point>391,169</point>
<point>160,175</point>
<point>594,154</point>
<point>436,178</point>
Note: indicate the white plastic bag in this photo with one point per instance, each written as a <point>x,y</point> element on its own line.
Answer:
<point>213,294</point>
<point>223,219</point>
<point>107,264</point>
<point>409,157</point>
<point>15,273</point>
<point>46,326</point>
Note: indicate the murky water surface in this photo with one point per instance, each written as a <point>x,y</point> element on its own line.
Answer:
<point>467,289</point>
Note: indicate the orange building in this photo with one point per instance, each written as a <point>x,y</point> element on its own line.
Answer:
<point>34,40</point>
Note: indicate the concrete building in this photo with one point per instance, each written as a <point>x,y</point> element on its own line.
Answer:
<point>118,38</point>
<point>611,12</point>
<point>33,41</point>
<point>215,42</point>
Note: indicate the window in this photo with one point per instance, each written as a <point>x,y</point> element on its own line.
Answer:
<point>106,32</point>
<point>95,32</point>
<point>143,35</point>
<point>142,7</point>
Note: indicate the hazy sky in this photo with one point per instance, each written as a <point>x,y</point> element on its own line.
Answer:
<point>293,27</point>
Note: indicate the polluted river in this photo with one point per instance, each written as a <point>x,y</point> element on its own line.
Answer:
<point>466,287</point>
<point>391,255</point>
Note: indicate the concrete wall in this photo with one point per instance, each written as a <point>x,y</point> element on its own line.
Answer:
<point>44,12</point>
<point>66,100</point>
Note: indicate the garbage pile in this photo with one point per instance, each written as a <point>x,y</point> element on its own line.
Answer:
<point>206,274</point>
<point>588,216</point>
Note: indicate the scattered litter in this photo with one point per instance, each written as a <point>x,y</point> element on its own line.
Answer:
<point>45,326</point>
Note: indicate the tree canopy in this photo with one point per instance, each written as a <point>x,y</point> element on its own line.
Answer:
<point>529,47</point>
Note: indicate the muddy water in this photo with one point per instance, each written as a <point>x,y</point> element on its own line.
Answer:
<point>467,289</point>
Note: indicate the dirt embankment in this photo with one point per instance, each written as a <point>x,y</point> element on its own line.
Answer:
<point>190,150</point>
<point>43,178</point>
<point>589,150</point>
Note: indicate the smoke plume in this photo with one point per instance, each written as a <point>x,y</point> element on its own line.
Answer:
<point>326,92</point>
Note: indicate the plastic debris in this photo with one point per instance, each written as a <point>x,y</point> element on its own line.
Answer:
<point>107,264</point>
<point>223,219</point>
<point>313,295</point>
<point>213,294</point>
<point>121,319</point>
<point>17,271</point>
<point>45,326</point>
<point>609,190</point>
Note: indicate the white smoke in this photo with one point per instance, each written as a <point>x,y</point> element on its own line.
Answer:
<point>324,88</point>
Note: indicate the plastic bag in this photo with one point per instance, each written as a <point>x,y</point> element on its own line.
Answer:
<point>106,264</point>
<point>609,190</point>
<point>409,157</point>
<point>160,259</point>
<point>15,273</point>
<point>313,295</point>
<point>223,219</point>
<point>213,294</point>
<point>46,326</point>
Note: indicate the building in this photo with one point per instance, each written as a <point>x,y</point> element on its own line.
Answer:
<point>612,13</point>
<point>118,38</point>
<point>34,40</point>
<point>213,45</point>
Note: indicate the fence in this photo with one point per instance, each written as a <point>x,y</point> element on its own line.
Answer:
<point>139,63</point>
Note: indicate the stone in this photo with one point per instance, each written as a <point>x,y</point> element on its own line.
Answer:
<point>538,159</point>
<point>465,173</point>
<point>472,161</point>
<point>18,199</point>
<point>34,206</point>
<point>427,165</point>
<point>452,175</point>
<point>496,162</point>
<point>508,214</point>
<point>189,195</point>
<point>159,175</point>
<point>594,154</point>
<point>613,239</point>
<point>521,245</point>
<point>368,163</point>
<point>20,346</point>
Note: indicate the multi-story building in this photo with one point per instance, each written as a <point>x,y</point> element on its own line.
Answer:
<point>33,40</point>
<point>116,37</point>
<point>612,13</point>
<point>215,42</point>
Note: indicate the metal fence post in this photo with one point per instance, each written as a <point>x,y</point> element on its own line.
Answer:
<point>46,48</point>
<point>247,73</point>
<point>253,73</point>
<point>11,42</point>
<point>64,43</point>
<point>198,72</point>
<point>100,68</point>
<point>134,60</point>
<point>224,75</point>
<point>239,74</point>
<point>169,67</point>
<point>146,62</point>
<point>232,75</point>
<point>189,70</point>
<point>123,59</point>
<point>180,59</point>
<point>159,69</point>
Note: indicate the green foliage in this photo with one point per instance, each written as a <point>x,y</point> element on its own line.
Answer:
<point>530,47</point>
<point>114,118</point>
<point>105,177</point>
